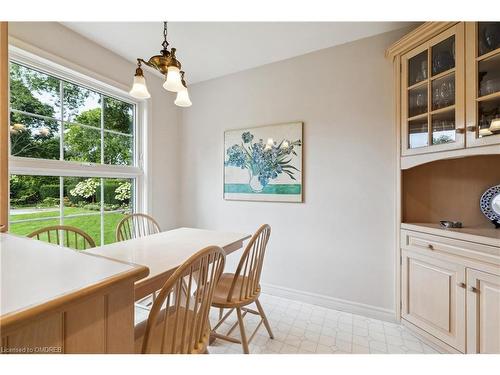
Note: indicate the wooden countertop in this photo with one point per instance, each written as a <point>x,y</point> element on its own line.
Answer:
<point>485,235</point>
<point>35,275</point>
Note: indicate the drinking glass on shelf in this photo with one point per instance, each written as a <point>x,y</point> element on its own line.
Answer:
<point>423,69</point>
<point>420,100</point>
<point>437,98</point>
<point>489,87</point>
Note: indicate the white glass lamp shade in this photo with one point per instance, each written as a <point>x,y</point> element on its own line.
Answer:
<point>182,99</point>
<point>173,82</point>
<point>139,89</point>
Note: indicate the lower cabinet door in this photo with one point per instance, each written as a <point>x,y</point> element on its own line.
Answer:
<point>433,297</point>
<point>483,312</point>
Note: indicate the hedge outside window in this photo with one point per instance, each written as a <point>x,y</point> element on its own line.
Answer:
<point>40,201</point>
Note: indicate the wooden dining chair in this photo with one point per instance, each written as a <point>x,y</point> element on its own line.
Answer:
<point>237,290</point>
<point>178,322</point>
<point>64,235</point>
<point>135,226</point>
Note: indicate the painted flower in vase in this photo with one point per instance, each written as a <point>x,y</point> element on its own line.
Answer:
<point>263,161</point>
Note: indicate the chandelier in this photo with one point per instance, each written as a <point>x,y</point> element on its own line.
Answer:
<point>168,65</point>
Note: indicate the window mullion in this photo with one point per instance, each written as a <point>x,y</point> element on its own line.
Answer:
<point>102,162</point>
<point>61,126</point>
<point>29,114</point>
<point>102,129</point>
<point>61,151</point>
<point>102,211</point>
<point>61,200</point>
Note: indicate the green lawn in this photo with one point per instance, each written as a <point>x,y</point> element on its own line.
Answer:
<point>90,224</point>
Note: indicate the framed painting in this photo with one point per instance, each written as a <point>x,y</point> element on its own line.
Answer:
<point>264,163</point>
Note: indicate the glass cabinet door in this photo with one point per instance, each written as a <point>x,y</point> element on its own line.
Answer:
<point>483,83</point>
<point>432,93</point>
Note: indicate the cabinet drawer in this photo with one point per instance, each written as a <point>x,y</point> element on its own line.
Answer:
<point>429,243</point>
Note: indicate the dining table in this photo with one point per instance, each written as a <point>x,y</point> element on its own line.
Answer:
<point>164,252</point>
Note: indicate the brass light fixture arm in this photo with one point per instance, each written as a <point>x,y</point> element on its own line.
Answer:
<point>147,63</point>
<point>165,59</point>
<point>182,78</point>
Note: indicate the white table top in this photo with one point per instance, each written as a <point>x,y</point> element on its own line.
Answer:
<point>34,272</point>
<point>165,251</point>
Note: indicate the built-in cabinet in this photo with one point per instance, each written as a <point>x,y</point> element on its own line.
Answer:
<point>447,114</point>
<point>451,290</point>
<point>448,90</point>
<point>432,94</point>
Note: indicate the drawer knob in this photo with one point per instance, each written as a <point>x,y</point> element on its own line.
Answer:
<point>462,285</point>
<point>430,246</point>
<point>473,289</point>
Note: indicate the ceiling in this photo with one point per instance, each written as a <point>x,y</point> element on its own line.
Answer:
<point>213,49</point>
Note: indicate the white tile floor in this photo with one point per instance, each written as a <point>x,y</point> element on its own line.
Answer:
<point>303,328</point>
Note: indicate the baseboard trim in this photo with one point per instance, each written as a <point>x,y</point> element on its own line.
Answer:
<point>330,302</point>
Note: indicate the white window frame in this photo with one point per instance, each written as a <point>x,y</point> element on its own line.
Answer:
<point>139,169</point>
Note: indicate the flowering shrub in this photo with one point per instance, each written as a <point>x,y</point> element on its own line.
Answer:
<point>123,191</point>
<point>86,188</point>
<point>266,161</point>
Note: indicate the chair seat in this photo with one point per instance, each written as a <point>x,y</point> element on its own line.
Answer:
<point>222,290</point>
<point>157,333</point>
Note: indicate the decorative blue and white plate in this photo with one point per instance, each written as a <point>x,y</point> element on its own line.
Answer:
<point>490,204</point>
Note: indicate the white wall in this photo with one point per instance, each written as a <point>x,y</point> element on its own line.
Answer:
<point>339,243</point>
<point>57,40</point>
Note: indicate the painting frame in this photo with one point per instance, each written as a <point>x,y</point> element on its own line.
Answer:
<point>287,186</point>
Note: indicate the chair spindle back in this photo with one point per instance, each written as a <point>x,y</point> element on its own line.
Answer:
<point>183,317</point>
<point>249,269</point>
<point>135,226</point>
<point>64,235</point>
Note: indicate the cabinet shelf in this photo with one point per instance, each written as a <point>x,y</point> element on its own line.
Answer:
<point>488,55</point>
<point>418,117</point>
<point>450,108</point>
<point>418,84</point>
<point>492,96</point>
<point>443,74</point>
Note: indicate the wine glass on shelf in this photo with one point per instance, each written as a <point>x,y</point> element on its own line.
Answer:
<point>420,102</point>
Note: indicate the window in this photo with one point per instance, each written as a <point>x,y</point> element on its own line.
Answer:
<point>73,148</point>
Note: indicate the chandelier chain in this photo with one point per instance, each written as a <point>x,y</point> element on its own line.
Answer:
<point>165,43</point>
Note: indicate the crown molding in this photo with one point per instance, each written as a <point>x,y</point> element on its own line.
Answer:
<point>416,37</point>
